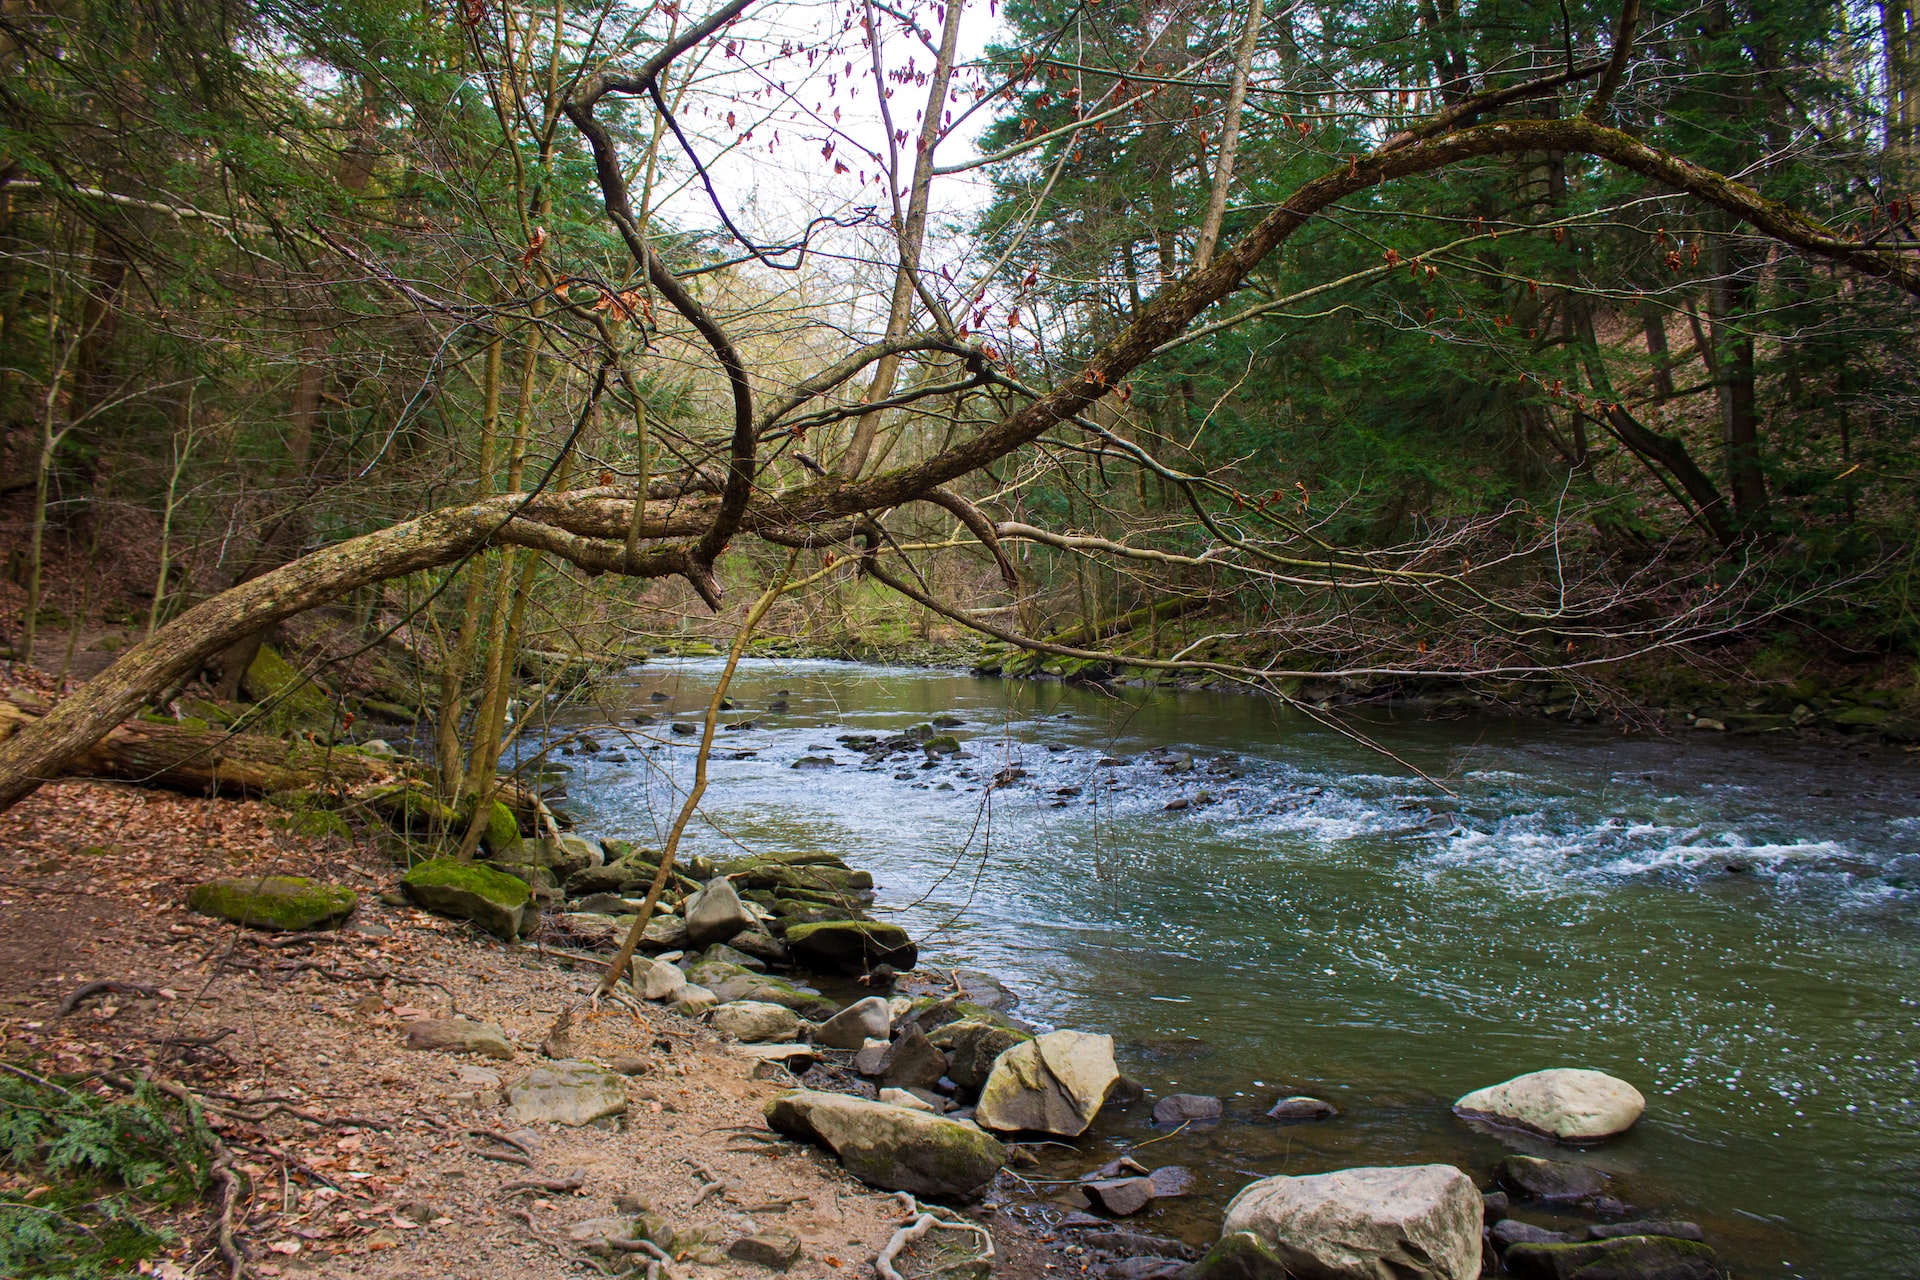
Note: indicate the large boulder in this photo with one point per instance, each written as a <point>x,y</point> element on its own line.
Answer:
<point>273,902</point>
<point>892,1148</point>
<point>972,1048</point>
<point>851,946</point>
<point>1569,1103</point>
<point>494,901</point>
<point>569,1093</point>
<point>853,1026</point>
<point>716,913</point>
<point>755,1021</point>
<point>1420,1222</point>
<point>1054,1084</point>
<point>1622,1258</point>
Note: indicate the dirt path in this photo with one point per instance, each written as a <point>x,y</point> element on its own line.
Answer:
<point>378,1174</point>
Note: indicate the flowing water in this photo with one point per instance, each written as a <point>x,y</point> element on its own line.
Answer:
<point>1721,921</point>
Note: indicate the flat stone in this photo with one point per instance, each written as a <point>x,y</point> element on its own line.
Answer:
<point>1121,1197</point>
<point>755,1021</point>
<point>776,1249</point>
<point>479,1076</point>
<point>1172,1181</point>
<point>1134,1243</point>
<point>1146,1268</point>
<point>892,1148</point>
<point>913,1102</point>
<point>1670,1227</point>
<point>1301,1107</point>
<point>1511,1231</point>
<point>567,1093</point>
<point>1549,1180</point>
<point>1419,1222</point>
<point>794,1057</point>
<point>457,1035</point>
<point>1187,1109</point>
<point>1572,1104</point>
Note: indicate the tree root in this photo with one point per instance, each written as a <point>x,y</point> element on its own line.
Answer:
<point>925,1222</point>
<point>75,997</point>
<point>493,1135</point>
<point>220,1169</point>
<point>572,1182</point>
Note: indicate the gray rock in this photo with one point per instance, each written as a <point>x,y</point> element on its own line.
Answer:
<point>1511,1231</point>
<point>872,1058</point>
<point>761,945</point>
<point>1055,1084</point>
<point>1549,1180</point>
<point>575,853</point>
<point>568,1093</point>
<point>656,980</point>
<point>1188,1109</point>
<point>1569,1103</point>
<point>1672,1227</point>
<point>755,1021</point>
<point>716,913</point>
<point>605,904</point>
<point>794,1057</point>
<point>1625,1258</point>
<point>853,1026</point>
<point>1239,1255</point>
<point>693,1000</point>
<point>1134,1244</point>
<point>1419,1222</point>
<point>457,1035</point>
<point>972,1048</point>
<point>597,1234</point>
<point>776,1249</point>
<point>1121,1197</point>
<point>725,954</point>
<point>1301,1107</point>
<point>914,1063</point>
<point>1172,1181</point>
<point>892,1148</point>
<point>1146,1268</point>
<point>911,1101</point>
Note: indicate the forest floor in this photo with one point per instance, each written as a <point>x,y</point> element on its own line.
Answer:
<point>365,1160</point>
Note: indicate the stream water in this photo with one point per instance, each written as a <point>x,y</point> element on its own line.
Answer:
<point>1719,920</point>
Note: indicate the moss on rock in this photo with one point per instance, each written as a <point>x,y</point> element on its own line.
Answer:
<point>292,903</point>
<point>852,946</point>
<point>271,678</point>
<point>495,901</point>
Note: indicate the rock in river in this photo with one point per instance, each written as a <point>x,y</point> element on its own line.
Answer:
<point>1301,1107</point>
<point>1188,1109</point>
<point>1419,1222</point>
<point>853,1026</point>
<point>1569,1103</point>
<point>1239,1255</point>
<point>852,946</point>
<point>457,1035</point>
<point>273,902</point>
<point>569,1093</point>
<point>755,1021</point>
<point>1624,1258</point>
<point>491,899</point>
<point>1121,1197</point>
<point>716,913</point>
<point>1549,1180</point>
<point>892,1148</point>
<point>1055,1084</point>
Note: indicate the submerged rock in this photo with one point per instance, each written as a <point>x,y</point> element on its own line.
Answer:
<point>1511,1231</point>
<point>1407,1223</point>
<point>1571,1104</point>
<point>1647,1227</point>
<point>292,903</point>
<point>494,901</point>
<point>1301,1107</point>
<point>892,1148</point>
<point>1053,1084</point>
<point>569,1093</point>
<point>1549,1180</point>
<point>1624,1258</point>
<point>1187,1109</point>
<point>1121,1197</point>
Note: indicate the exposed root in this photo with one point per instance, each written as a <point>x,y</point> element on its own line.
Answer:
<point>92,989</point>
<point>494,1135</point>
<point>572,1182</point>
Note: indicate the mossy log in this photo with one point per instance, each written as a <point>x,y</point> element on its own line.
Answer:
<point>205,761</point>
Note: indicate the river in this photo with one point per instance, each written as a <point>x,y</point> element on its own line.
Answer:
<point>1719,920</point>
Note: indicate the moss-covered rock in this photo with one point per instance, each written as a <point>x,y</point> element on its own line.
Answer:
<point>292,903</point>
<point>271,678</point>
<point>410,808</point>
<point>852,946</point>
<point>466,890</point>
<point>1622,1258</point>
<point>893,1148</point>
<point>1239,1256</point>
<point>973,1047</point>
<point>502,838</point>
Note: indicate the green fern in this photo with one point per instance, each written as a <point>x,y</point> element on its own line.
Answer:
<point>88,1163</point>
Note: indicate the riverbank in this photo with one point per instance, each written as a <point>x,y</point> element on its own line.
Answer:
<point>354,1152</point>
